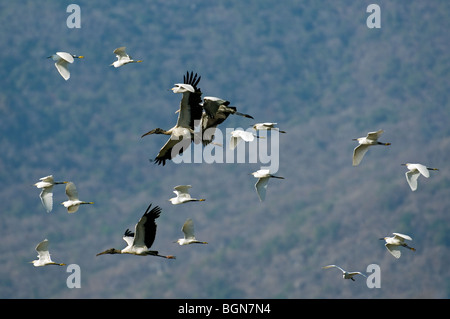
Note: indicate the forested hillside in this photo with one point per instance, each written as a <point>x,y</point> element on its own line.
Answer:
<point>313,67</point>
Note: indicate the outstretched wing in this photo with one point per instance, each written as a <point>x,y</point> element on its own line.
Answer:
<point>145,230</point>
<point>188,229</point>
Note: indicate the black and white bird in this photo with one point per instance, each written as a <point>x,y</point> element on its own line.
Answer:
<point>216,112</point>
<point>62,61</point>
<point>44,255</point>
<point>46,184</point>
<point>189,114</point>
<point>140,242</point>
<point>364,143</point>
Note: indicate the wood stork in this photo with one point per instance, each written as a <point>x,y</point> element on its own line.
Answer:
<point>46,195</point>
<point>414,172</point>
<point>266,126</point>
<point>44,255</point>
<point>140,242</point>
<point>122,58</point>
<point>73,203</point>
<point>364,144</point>
<point>183,196</point>
<point>393,243</point>
<point>239,135</point>
<point>345,274</point>
<point>263,176</point>
<point>216,112</point>
<point>62,60</point>
<point>189,113</point>
<point>189,234</point>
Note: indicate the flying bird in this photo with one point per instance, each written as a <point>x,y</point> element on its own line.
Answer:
<point>345,274</point>
<point>46,195</point>
<point>364,144</point>
<point>73,203</point>
<point>189,113</point>
<point>189,235</point>
<point>263,176</point>
<point>239,135</point>
<point>44,255</point>
<point>414,171</point>
<point>216,112</point>
<point>393,244</point>
<point>140,242</point>
<point>266,126</point>
<point>62,60</point>
<point>183,196</point>
<point>122,58</point>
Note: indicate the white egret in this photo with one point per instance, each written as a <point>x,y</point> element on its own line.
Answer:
<point>46,195</point>
<point>122,58</point>
<point>364,144</point>
<point>183,196</point>
<point>414,172</point>
<point>345,274</point>
<point>62,60</point>
<point>393,244</point>
<point>263,176</point>
<point>216,112</point>
<point>139,242</point>
<point>239,135</point>
<point>44,255</point>
<point>73,203</point>
<point>190,112</point>
<point>189,234</point>
<point>266,126</point>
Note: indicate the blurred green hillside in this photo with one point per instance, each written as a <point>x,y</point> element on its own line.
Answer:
<point>314,67</point>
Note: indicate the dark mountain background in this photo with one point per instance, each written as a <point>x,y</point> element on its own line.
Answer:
<point>314,67</point>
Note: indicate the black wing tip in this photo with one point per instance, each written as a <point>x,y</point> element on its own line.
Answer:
<point>155,211</point>
<point>128,233</point>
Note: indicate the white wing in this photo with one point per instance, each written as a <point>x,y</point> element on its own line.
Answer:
<point>247,136</point>
<point>333,266</point>
<point>73,208</point>
<point>411,178</point>
<point>63,69</point>
<point>374,135</point>
<point>358,153</point>
<point>261,187</point>
<point>402,236</point>
<point>47,198</point>
<point>423,170</point>
<point>393,249</point>
<point>65,56</point>
<point>188,229</point>
<point>71,191</point>
<point>121,53</point>
<point>43,253</point>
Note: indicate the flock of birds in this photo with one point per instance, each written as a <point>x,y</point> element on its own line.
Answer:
<point>205,113</point>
